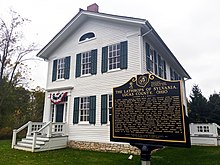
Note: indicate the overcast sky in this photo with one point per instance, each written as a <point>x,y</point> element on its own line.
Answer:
<point>190,28</point>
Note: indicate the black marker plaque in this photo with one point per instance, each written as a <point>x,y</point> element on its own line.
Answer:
<point>148,109</point>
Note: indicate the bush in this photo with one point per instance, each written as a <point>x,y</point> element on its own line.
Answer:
<point>6,133</point>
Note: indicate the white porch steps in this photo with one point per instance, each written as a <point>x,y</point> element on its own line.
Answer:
<point>42,143</point>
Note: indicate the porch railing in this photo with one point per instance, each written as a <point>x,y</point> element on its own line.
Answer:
<point>48,129</point>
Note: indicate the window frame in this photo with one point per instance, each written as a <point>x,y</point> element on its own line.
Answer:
<point>88,63</point>
<point>87,37</point>
<point>114,50</point>
<point>60,69</point>
<point>84,106</point>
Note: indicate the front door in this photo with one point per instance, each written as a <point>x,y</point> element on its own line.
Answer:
<point>59,112</point>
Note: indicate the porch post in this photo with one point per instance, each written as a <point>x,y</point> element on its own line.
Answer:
<point>14,138</point>
<point>29,128</point>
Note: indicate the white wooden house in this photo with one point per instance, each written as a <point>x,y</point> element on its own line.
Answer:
<point>93,53</point>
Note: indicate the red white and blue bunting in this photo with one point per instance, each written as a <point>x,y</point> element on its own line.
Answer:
<point>56,98</point>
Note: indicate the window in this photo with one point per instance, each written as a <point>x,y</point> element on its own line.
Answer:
<point>174,75</point>
<point>84,109</point>
<point>155,63</point>
<point>61,68</point>
<point>87,36</point>
<point>162,67</point>
<point>115,56</point>
<point>86,63</point>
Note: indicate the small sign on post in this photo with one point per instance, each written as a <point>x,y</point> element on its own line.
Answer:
<point>149,110</point>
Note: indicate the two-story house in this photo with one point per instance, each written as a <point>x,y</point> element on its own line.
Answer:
<point>93,53</point>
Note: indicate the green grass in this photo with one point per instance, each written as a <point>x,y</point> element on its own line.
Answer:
<point>66,156</point>
<point>168,156</point>
<point>197,155</point>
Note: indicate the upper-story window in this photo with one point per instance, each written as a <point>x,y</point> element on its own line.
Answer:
<point>87,36</point>
<point>86,63</point>
<point>162,67</point>
<point>155,63</point>
<point>115,56</point>
<point>174,75</point>
<point>61,68</point>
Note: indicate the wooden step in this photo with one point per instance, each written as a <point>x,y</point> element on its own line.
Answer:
<point>30,141</point>
<point>45,139</point>
<point>27,145</point>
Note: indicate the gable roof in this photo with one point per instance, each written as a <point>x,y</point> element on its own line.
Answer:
<point>84,15</point>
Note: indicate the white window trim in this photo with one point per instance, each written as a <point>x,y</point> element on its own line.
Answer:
<point>63,74</point>
<point>85,63</point>
<point>82,122</point>
<point>108,108</point>
<point>118,68</point>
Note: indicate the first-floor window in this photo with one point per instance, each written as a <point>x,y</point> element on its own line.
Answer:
<point>84,109</point>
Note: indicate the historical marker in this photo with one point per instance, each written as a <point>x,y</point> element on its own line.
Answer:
<point>149,110</point>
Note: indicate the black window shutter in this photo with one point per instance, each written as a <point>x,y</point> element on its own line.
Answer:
<point>67,68</point>
<point>124,55</point>
<point>92,109</point>
<point>76,110</point>
<point>104,109</point>
<point>78,65</point>
<point>148,56</point>
<point>104,59</point>
<point>165,69</point>
<point>54,72</point>
<point>94,61</point>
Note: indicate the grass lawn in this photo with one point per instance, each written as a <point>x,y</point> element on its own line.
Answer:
<point>168,156</point>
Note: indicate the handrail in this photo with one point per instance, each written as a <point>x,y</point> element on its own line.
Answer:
<point>40,130</point>
<point>15,131</point>
<point>23,127</point>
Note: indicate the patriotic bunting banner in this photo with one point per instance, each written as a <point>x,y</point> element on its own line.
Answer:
<point>56,98</point>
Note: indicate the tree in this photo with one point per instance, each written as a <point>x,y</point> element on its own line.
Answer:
<point>13,54</point>
<point>36,104</point>
<point>198,106</point>
<point>214,108</point>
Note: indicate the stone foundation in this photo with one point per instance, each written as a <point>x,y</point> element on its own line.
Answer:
<point>104,147</point>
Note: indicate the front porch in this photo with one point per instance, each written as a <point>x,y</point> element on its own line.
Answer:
<point>41,136</point>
